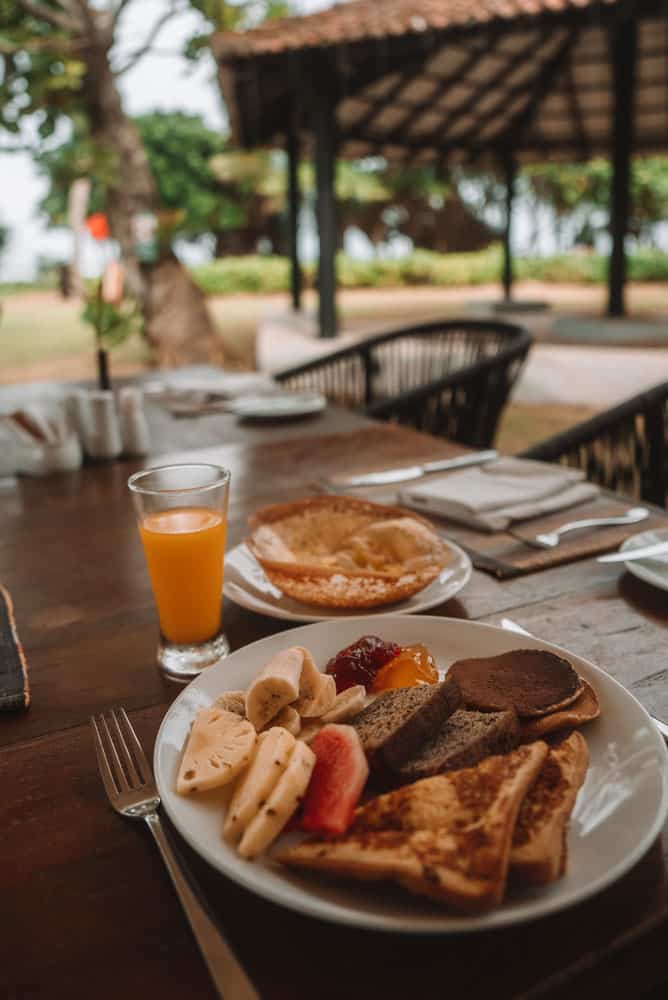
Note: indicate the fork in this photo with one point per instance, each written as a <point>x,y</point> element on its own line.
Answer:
<point>131,790</point>
<point>550,539</point>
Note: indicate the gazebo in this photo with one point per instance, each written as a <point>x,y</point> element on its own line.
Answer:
<point>491,82</point>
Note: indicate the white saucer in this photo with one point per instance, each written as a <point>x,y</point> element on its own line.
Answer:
<point>281,406</point>
<point>246,584</point>
<point>654,571</point>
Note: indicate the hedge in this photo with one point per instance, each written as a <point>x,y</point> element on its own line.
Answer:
<point>422,267</point>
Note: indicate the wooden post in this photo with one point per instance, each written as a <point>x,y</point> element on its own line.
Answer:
<point>510,174</point>
<point>623,56</point>
<point>293,217</point>
<point>324,122</point>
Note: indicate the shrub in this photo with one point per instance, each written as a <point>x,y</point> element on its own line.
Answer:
<point>243,274</point>
<point>423,267</point>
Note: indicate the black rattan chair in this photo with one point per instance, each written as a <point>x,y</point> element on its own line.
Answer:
<point>624,448</point>
<point>451,378</point>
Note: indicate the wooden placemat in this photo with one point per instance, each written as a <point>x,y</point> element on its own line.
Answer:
<point>14,689</point>
<point>505,555</point>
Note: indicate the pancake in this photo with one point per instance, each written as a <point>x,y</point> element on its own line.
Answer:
<point>346,553</point>
<point>534,682</point>
<point>584,709</point>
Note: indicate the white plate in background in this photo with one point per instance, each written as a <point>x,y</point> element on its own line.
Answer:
<point>281,406</point>
<point>246,584</point>
<point>654,571</point>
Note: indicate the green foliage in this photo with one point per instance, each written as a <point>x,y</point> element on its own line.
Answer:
<point>233,15</point>
<point>39,69</point>
<point>648,264</point>
<point>230,275</point>
<point>180,149</point>
<point>112,323</point>
<point>79,156</point>
<point>421,268</point>
<point>582,188</point>
<point>203,188</point>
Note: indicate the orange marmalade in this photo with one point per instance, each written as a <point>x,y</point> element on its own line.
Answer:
<point>413,665</point>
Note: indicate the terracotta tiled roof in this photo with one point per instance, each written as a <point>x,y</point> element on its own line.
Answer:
<point>450,80</point>
<point>365,19</point>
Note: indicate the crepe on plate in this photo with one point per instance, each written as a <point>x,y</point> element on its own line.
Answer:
<point>346,553</point>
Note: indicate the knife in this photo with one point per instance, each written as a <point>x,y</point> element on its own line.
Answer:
<point>629,555</point>
<point>406,473</point>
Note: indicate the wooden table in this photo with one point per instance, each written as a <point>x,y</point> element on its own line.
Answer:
<point>86,909</point>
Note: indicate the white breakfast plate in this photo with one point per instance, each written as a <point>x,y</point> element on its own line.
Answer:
<point>619,812</point>
<point>246,584</point>
<point>654,571</point>
<point>283,405</point>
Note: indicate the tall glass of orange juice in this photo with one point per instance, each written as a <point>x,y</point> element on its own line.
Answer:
<point>182,517</point>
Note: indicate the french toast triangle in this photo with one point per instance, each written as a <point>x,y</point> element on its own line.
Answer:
<point>538,852</point>
<point>447,837</point>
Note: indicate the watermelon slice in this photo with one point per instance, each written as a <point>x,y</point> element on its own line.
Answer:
<point>337,781</point>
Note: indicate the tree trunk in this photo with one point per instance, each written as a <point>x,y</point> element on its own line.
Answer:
<point>176,321</point>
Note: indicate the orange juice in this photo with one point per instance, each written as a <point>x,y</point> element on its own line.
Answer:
<point>184,549</point>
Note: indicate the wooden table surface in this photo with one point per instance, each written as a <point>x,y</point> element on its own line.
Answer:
<point>86,909</point>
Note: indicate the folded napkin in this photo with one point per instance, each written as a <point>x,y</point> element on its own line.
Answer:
<point>493,496</point>
<point>14,690</point>
<point>37,441</point>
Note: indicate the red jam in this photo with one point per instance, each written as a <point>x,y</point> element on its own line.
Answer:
<point>413,665</point>
<point>360,662</point>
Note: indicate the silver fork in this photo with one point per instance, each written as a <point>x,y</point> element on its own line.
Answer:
<point>130,787</point>
<point>550,539</point>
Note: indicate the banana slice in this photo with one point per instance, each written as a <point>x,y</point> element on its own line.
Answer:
<point>255,785</point>
<point>282,802</point>
<point>219,747</point>
<point>289,719</point>
<point>348,703</point>
<point>233,701</point>
<point>317,691</point>
<point>275,686</point>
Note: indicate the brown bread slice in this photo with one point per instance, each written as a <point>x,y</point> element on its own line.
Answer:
<point>463,740</point>
<point>538,852</point>
<point>446,837</point>
<point>398,722</point>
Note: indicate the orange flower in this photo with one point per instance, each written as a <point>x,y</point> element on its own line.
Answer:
<point>97,226</point>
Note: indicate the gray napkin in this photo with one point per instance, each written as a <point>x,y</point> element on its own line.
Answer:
<point>493,496</point>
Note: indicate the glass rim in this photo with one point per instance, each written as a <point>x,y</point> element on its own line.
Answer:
<point>222,479</point>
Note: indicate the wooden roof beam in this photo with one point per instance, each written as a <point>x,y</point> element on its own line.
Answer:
<point>416,70</point>
<point>540,88</point>
<point>488,85</point>
<point>574,106</point>
<point>444,86</point>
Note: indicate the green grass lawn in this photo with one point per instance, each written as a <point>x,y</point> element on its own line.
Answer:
<point>43,337</point>
<point>40,327</point>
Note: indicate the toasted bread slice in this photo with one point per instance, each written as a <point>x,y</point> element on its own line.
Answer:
<point>446,837</point>
<point>584,709</point>
<point>462,741</point>
<point>538,852</point>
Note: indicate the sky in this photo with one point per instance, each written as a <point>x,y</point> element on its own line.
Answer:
<point>158,82</point>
